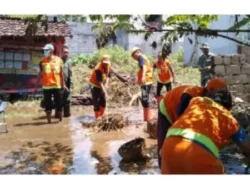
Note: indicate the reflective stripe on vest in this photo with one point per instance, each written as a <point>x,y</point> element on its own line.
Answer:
<point>164,111</point>
<point>200,138</point>
<point>51,87</point>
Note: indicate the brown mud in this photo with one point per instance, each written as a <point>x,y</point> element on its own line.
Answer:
<point>34,147</point>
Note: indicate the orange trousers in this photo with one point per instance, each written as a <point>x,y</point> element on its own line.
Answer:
<point>182,156</point>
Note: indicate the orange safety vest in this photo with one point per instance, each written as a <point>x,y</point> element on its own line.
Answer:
<point>206,122</point>
<point>51,73</point>
<point>170,102</point>
<point>92,79</point>
<point>163,71</point>
<point>149,73</point>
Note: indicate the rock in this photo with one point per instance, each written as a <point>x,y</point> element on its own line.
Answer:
<point>238,100</point>
<point>241,113</point>
<point>134,150</point>
<point>152,128</point>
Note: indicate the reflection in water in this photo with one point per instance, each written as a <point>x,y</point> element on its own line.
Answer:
<point>83,163</point>
<point>43,158</point>
<point>97,154</point>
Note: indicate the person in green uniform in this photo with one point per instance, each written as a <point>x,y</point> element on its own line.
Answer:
<point>204,64</point>
<point>67,72</point>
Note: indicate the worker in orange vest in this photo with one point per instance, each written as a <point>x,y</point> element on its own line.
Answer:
<point>99,79</point>
<point>193,142</point>
<point>51,73</point>
<point>144,79</point>
<point>174,103</point>
<point>164,75</point>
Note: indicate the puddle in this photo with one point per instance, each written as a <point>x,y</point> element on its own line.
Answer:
<point>27,152</point>
<point>98,154</point>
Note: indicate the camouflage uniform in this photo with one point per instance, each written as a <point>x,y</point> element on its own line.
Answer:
<point>67,72</point>
<point>205,61</point>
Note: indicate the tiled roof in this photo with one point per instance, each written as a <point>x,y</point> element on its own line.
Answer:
<point>17,27</point>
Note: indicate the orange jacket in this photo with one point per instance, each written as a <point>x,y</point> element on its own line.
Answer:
<point>51,72</point>
<point>171,101</point>
<point>149,73</point>
<point>208,118</point>
<point>163,71</point>
<point>92,80</point>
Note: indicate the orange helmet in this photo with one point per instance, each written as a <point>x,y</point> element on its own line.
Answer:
<point>216,84</point>
<point>105,59</point>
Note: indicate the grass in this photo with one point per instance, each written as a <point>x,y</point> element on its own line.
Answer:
<point>121,61</point>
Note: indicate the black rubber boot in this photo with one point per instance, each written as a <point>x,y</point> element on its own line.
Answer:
<point>66,111</point>
<point>48,115</point>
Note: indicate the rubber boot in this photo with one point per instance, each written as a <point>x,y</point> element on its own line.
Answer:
<point>147,114</point>
<point>60,116</point>
<point>102,111</point>
<point>48,116</point>
<point>56,115</point>
<point>97,115</point>
<point>66,111</point>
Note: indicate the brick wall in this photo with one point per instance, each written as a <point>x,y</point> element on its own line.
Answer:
<point>235,69</point>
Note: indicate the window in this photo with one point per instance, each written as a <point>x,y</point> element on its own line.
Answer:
<point>14,60</point>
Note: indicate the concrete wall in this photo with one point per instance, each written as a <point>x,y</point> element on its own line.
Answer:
<point>219,46</point>
<point>138,40</point>
<point>235,69</point>
<point>83,40</point>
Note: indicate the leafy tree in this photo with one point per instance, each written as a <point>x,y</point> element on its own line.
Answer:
<point>177,26</point>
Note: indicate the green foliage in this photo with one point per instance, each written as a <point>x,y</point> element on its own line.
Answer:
<point>179,56</point>
<point>180,25</point>
<point>120,58</point>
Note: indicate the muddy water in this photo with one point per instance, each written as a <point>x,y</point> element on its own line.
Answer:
<point>34,147</point>
<point>98,154</point>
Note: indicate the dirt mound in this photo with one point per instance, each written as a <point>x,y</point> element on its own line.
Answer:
<point>152,128</point>
<point>107,123</point>
<point>133,150</point>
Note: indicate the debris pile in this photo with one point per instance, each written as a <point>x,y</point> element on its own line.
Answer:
<point>152,128</point>
<point>107,123</point>
<point>81,100</point>
<point>130,95</point>
<point>241,112</point>
<point>133,150</point>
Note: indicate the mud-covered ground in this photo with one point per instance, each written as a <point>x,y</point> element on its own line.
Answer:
<point>33,147</point>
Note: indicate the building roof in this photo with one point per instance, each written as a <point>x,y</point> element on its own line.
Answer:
<point>17,27</point>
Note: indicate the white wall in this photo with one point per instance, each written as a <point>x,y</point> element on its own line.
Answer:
<point>138,40</point>
<point>218,45</point>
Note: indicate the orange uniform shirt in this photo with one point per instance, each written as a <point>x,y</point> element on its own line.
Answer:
<point>208,118</point>
<point>51,72</point>
<point>171,100</point>
<point>93,77</point>
<point>163,71</point>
